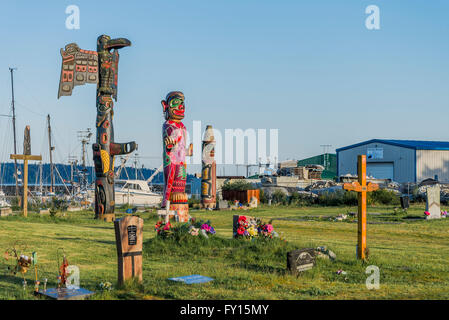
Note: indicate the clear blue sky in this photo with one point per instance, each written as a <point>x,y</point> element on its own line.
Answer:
<point>308,68</point>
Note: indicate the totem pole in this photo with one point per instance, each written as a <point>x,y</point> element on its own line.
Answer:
<point>100,67</point>
<point>209,171</point>
<point>174,154</point>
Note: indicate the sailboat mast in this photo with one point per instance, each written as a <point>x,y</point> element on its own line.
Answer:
<point>52,177</point>
<point>14,128</point>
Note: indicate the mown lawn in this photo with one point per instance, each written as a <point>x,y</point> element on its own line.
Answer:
<point>412,256</point>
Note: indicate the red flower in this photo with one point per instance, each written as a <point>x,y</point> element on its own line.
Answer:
<point>241,231</point>
<point>242,218</point>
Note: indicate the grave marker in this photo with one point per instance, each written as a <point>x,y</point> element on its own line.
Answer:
<point>128,237</point>
<point>361,188</point>
<point>433,202</point>
<point>300,260</point>
<point>235,224</point>
<point>25,157</point>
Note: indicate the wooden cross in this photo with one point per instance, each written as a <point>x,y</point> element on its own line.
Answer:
<point>362,188</point>
<point>25,157</point>
<point>166,213</point>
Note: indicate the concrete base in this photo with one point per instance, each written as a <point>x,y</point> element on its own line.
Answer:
<point>71,209</point>
<point>4,212</point>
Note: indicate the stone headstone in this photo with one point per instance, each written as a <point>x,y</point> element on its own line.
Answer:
<point>253,203</point>
<point>223,205</point>
<point>300,260</point>
<point>405,202</point>
<point>128,237</point>
<point>433,201</point>
<point>44,211</point>
<point>235,224</point>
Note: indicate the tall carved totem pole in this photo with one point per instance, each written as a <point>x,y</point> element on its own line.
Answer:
<point>209,171</point>
<point>174,155</point>
<point>100,67</point>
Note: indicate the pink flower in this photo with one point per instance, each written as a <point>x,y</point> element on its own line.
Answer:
<point>205,226</point>
<point>427,213</point>
<point>269,228</point>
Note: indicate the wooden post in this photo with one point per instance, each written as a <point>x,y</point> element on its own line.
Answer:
<point>25,157</point>
<point>361,188</point>
<point>128,237</point>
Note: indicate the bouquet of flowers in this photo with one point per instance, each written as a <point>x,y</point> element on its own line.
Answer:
<point>266,230</point>
<point>201,227</point>
<point>250,228</point>
<point>179,231</point>
<point>246,228</point>
<point>105,286</point>
<point>163,229</point>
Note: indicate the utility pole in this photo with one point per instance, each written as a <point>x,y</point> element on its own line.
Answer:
<point>135,164</point>
<point>326,155</point>
<point>84,137</point>
<point>14,128</point>
<point>72,161</point>
<point>50,148</point>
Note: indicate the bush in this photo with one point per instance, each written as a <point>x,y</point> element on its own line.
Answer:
<point>300,200</point>
<point>262,197</point>
<point>238,185</point>
<point>194,201</point>
<point>279,197</point>
<point>338,198</point>
<point>383,196</point>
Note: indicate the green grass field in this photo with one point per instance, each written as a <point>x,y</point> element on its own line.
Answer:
<point>412,256</point>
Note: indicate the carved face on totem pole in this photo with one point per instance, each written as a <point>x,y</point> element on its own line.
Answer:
<point>174,106</point>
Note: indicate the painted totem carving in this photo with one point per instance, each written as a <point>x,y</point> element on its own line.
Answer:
<point>100,67</point>
<point>174,154</point>
<point>209,171</point>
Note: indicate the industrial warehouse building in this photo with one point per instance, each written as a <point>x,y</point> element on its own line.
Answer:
<point>398,160</point>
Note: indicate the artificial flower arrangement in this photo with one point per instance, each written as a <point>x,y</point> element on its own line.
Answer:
<point>250,228</point>
<point>200,227</point>
<point>164,229</point>
<point>193,228</point>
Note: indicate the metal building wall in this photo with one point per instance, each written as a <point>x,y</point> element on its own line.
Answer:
<point>432,162</point>
<point>403,160</point>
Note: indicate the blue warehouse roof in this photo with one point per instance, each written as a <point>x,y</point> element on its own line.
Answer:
<point>411,144</point>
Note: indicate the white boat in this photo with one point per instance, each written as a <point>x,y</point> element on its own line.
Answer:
<point>136,193</point>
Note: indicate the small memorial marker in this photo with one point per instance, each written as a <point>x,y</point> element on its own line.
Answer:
<point>128,237</point>
<point>300,260</point>
<point>195,278</point>
<point>66,293</point>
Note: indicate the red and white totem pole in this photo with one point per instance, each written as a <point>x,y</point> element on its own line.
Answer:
<point>174,155</point>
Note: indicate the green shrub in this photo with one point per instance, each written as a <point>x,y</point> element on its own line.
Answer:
<point>238,185</point>
<point>194,201</point>
<point>279,197</point>
<point>300,200</point>
<point>338,198</point>
<point>262,197</point>
<point>383,196</point>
